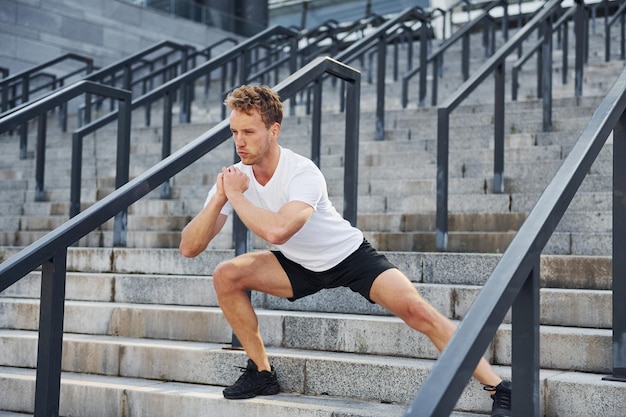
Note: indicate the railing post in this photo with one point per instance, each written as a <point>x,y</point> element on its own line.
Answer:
<point>316,134</point>
<point>351,157</point>
<point>465,57</point>
<point>619,251</point>
<point>380,88</point>
<point>546,52</point>
<point>579,31</point>
<point>120,225</point>
<point>525,346</point>
<point>50,344</point>
<point>443,129</point>
<point>76,175</point>
<point>498,125</point>
<point>40,163</point>
<point>166,140</point>
<point>424,66</point>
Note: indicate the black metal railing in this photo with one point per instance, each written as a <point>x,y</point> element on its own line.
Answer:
<point>496,65</point>
<point>167,94</point>
<point>436,57</point>
<point>20,88</point>
<point>378,40</point>
<point>38,110</point>
<point>515,280</point>
<point>561,27</point>
<point>50,252</point>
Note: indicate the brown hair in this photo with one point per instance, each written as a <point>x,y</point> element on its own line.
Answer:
<point>250,98</point>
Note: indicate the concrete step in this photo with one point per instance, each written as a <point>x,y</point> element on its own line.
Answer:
<point>117,396</point>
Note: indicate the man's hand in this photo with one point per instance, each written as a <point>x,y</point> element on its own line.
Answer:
<point>233,181</point>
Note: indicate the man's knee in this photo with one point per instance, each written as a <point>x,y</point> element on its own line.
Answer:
<point>225,276</point>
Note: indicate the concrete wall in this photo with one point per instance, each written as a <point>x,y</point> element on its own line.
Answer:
<point>35,31</point>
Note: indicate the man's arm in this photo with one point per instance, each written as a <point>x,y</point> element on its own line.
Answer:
<point>197,235</point>
<point>274,227</point>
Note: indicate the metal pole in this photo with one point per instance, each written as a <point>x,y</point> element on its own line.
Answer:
<point>546,52</point>
<point>619,252</point>
<point>40,195</point>
<point>443,129</point>
<point>498,125</point>
<point>525,347</point>
<point>50,345</point>
<point>380,89</point>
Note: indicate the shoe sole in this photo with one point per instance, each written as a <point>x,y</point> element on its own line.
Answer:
<point>269,391</point>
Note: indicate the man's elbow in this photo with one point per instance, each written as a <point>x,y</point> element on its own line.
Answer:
<point>189,251</point>
<point>278,237</point>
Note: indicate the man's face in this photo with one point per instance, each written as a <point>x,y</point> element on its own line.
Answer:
<point>252,138</point>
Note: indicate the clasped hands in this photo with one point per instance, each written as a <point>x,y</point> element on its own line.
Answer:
<point>231,180</point>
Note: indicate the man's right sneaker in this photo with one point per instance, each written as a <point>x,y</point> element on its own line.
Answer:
<point>252,383</point>
<point>501,399</point>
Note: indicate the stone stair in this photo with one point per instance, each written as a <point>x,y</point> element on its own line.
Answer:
<point>144,334</point>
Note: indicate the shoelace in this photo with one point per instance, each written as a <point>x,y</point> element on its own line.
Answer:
<point>244,372</point>
<point>501,397</point>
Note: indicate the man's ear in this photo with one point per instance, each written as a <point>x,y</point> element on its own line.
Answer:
<point>275,129</point>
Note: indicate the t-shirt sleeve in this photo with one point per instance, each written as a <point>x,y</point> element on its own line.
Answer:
<point>308,186</point>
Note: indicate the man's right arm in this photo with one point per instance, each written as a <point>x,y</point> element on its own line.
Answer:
<point>197,235</point>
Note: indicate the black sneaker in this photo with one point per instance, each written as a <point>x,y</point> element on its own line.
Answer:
<point>252,383</point>
<point>501,399</point>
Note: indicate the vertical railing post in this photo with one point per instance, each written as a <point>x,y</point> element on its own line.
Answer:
<point>525,346</point>
<point>316,133</point>
<point>579,32</point>
<point>166,141</point>
<point>40,163</point>
<point>546,52</point>
<point>498,125</point>
<point>424,67</point>
<point>50,344</point>
<point>619,251</point>
<point>380,88</point>
<point>120,224</point>
<point>443,133</point>
<point>351,157</point>
<point>76,174</point>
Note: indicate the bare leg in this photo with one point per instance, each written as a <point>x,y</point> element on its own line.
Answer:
<point>393,291</point>
<point>259,271</point>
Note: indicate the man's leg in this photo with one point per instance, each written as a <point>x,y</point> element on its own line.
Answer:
<point>257,271</point>
<point>393,291</point>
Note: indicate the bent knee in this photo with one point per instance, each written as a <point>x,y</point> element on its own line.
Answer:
<point>225,276</point>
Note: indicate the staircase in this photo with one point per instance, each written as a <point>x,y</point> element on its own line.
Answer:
<point>144,334</point>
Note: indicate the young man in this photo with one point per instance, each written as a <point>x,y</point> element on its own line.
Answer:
<point>282,197</point>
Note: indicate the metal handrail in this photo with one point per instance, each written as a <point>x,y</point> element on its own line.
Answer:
<point>515,280</point>
<point>378,39</point>
<point>167,92</point>
<point>562,23</point>
<point>51,250</point>
<point>436,57</point>
<point>24,78</point>
<point>39,110</point>
<point>495,65</point>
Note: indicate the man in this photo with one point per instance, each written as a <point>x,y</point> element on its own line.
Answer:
<point>282,197</point>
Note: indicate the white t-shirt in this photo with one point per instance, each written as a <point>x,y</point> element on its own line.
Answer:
<point>326,238</point>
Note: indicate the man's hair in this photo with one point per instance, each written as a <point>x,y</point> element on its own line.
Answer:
<point>250,98</point>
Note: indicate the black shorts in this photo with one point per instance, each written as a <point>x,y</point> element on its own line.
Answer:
<point>358,272</point>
